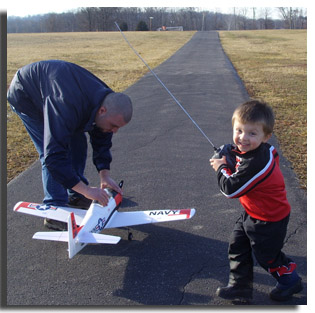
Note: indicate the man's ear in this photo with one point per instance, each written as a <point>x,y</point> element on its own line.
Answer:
<point>102,110</point>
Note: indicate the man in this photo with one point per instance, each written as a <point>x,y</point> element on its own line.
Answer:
<point>58,103</point>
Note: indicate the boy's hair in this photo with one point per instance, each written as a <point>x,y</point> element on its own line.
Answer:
<point>255,111</point>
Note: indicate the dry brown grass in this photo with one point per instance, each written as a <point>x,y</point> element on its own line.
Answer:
<point>106,55</point>
<point>273,66</point>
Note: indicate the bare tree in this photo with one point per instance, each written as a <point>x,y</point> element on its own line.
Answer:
<point>87,18</point>
<point>190,18</point>
<point>51,23</point>
<point>265,22</point>
<point>293,17</point>
<point>254,26</point>
<point>242,18</point>
<point>287,15</point>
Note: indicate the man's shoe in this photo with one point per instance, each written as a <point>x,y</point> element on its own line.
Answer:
<point>55,225</point>
<point>232,292</point>
<point>79,202</point>
<point>284,293</point>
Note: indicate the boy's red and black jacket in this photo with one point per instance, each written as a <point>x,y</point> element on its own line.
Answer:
<point>258,183</point>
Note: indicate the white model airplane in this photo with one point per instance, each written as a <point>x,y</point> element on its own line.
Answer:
<point>84,225</point>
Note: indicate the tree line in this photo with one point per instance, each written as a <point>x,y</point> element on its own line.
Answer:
<point>130,19</point>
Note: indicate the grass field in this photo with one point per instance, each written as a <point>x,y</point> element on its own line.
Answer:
<point>273,66</point>
<point>106,55</point>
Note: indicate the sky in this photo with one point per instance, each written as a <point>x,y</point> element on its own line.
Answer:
<point>31,7</point>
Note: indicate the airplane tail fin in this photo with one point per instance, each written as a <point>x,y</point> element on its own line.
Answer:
<point>65,236</point>
<point>74,246</point>
<point>76,243</point>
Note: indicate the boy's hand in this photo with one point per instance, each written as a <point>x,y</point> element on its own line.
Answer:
<point>216,163</point>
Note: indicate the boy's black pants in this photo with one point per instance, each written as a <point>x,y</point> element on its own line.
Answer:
<point>265,241</point>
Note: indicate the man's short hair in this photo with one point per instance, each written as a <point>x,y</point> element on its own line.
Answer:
<point>117,103</point>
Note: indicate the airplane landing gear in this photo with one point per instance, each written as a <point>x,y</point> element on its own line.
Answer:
<point>130,235</point>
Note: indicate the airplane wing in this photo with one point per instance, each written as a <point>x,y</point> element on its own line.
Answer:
<point>52,235</point>
<point>49,211</point>
<point>85,238</point>
<point>123,219</point>
<point>99,238</point>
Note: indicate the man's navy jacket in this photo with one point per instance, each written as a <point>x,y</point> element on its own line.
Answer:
<point>67,97</point>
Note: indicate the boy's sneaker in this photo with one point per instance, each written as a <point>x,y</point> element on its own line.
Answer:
<point>55,225</point>
<point>283,292</point>
<point>79,202</point>
<point>232,292</point>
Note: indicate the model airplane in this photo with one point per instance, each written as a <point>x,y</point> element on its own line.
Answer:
<point>84,226</point>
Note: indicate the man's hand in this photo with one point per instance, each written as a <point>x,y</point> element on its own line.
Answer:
<point>92,193</point>
<point>98,194</point>
<point>216,163</point>
<point>108,182</point>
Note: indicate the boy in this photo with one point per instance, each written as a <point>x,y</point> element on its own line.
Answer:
<point>257,181</point>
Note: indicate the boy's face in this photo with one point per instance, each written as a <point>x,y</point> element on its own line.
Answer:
<point>249,136</point>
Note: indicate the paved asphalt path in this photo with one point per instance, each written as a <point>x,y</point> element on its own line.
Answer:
<point>163,160</point>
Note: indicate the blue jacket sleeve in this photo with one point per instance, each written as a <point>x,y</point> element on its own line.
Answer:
<point>101,143</point>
